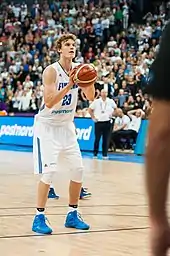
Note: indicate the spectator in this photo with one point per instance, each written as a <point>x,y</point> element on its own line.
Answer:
<point>133,128</point>
<point>109,37</point>
<point>121,98</point>
<point>102,111</point>
<point>24,105</point>
<point>2,92</point>
<point>121,124</point>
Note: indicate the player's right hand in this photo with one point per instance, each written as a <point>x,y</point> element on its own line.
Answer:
<point>71,76</point>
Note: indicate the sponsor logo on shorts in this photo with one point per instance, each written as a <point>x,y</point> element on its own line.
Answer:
<point>16,130</point>
<point>52,164</point>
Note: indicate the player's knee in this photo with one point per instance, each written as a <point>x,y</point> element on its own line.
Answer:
<point>77,175</point>
<point>47,178</point>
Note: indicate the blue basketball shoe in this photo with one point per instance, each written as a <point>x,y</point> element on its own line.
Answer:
<point>74,220</point>
<point>52,194</point>
<point>40,226</point>
<point>84,194</point>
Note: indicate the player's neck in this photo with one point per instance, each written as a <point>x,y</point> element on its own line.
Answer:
<point>103,99</point>
<point>66,64</point>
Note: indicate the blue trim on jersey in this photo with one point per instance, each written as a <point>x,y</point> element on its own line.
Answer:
<point>63,68</point>
<point>39,156</point>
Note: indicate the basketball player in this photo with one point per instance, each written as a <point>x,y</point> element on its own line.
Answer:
<point>54,134</point>
<point>158,149</point>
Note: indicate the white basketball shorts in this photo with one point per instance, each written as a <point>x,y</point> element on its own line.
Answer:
<point>50,142</point>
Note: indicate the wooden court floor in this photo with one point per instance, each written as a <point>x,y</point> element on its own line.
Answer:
<point>117,211</point>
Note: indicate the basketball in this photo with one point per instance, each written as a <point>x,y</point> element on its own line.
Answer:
<point>85,75</point>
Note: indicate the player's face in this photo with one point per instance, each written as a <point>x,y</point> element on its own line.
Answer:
<point>68,49</point>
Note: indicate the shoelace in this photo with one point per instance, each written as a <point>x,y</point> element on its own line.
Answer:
<point>79,217</point>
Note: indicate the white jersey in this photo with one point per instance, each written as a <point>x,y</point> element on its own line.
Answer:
<point>62,112</point>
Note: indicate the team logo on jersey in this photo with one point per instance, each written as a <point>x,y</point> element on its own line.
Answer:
<point>62,85</point>
<point>62,111</point>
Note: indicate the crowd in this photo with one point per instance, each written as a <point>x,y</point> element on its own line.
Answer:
<point>107,36</point>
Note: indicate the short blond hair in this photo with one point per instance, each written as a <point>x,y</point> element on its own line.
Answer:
<point>63,39</point>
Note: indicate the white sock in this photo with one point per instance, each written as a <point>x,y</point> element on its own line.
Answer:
<point>38,213</point>
<point>71,209</point>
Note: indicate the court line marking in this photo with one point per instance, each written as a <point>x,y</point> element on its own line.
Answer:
<point>76,232</point>
<point>84,214</point>
<point>82,206</point>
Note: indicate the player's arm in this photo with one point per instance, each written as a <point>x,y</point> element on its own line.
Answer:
<point>51,95</point>
<point>89,92</point>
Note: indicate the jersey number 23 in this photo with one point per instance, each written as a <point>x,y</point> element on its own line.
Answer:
<point>67,100</point>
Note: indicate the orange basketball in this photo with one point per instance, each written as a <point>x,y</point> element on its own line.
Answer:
<point>85,75</point>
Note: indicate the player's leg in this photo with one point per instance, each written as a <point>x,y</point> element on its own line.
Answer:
<point>73,219</point>
<point>45,159</point>
<point>74,160</point>
<point>39,223</point>
<point>74,192</point>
